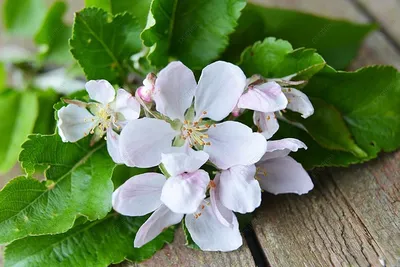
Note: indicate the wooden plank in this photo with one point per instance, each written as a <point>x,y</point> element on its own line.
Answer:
<point>177,254</point>
<point>351,218</point>
<point>376,48</point>
<point>386,12</point>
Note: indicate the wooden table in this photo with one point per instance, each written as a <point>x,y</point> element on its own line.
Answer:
<point>352,217</point>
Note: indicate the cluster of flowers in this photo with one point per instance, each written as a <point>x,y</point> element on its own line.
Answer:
<point>183,129</point>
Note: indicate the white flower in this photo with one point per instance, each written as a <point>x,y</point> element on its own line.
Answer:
<point>267,98</point>
<point>278,173</point>
<point>106,115</point>
<point>215,96</point>
<point>172,198</point>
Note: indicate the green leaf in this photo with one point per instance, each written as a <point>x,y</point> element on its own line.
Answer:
<point>328,128</point>
<point>18,114</point>
<point>138,8</point>
<point>189,241</point>
<point>53,36</point>
<point>23,17</point>
<point>103,44</point>
<point>3,77</point>
<point>368,102</point>
<point>337,41</point>
<point>98,243</point>
<point>195,32</point>
<point>78,182</point>
<point>315,155</point>
<point>274,58</point>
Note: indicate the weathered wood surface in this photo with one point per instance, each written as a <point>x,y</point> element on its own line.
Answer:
<point>386,13</point>
<point>178,255</point>
<point>352,217</point>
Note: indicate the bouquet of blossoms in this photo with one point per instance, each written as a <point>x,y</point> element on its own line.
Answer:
<point>211,164</point>
<point>173,112</point>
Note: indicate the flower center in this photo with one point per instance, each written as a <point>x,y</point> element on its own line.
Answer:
<point>196,132</point>
<point>104,116</point>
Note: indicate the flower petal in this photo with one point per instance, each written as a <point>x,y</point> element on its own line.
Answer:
<point>101,91</point>
<point>185,192</point>
<point>113,146</point>
<point>267,97</point>
<point>233,143</point>
<point>178,163</point>
<point>155,224</point>
<point>142,141</point>
<point>283,175</point>
<point>174,90</point>
<point>220,86</point>
<point>239,190</point>
<point>224,215</point>
<point>298,102</point>
<point>74,123</point>
<point>266,122</point>
<point>282,148</point>
<point>127,105</point>
<point>139,195</point>
<point>209,234</point>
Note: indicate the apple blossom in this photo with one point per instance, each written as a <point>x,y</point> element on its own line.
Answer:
<point>267,98</point>
<point>106,116</point>
<point>219,88</point>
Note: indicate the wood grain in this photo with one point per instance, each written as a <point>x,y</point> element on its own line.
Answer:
<point>178,255</point>
<point>351,218</point>
<point>386,13</point>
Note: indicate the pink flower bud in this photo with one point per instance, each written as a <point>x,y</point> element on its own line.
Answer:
<point>145,92</point>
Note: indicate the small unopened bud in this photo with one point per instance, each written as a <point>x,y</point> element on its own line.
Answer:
<point>145,92</point>
<point>236,112</point>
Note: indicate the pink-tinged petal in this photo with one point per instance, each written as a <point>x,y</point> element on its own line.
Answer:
<point>299,102</point>
<point>74,123</point>
<point>233,143</point>
<point>139,195</point>
<point>113,146</point>
<point>282,148</point>
<point>209,234</point>
<point>224,215</point>
<point>178,163</point>
<point>220,86</point>
<point>185,192</point>
<point>239,190</point>
<point>267,97</point>
<point>127,105</point>
<point>283,175</point>
<point>266,122</point>
<point>101,91</point>
<point>155,224</point>
<point>174,90</point>
<point>143,141</point>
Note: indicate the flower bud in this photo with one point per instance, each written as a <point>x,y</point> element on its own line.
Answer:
<point>145,92</point>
